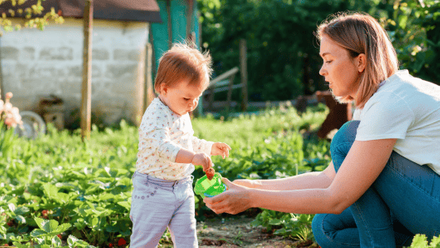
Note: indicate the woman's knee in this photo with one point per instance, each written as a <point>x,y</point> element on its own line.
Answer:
<point>318,229</point>
<point>347,133</point>
<point>335,230</point>
<point>342,142</point>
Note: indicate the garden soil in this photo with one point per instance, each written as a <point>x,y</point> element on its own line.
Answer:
<point>238,232</point>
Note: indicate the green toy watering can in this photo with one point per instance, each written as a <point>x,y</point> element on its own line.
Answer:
<point>209,188</point>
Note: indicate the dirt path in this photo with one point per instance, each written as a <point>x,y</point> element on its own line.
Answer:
<point>239,233</point>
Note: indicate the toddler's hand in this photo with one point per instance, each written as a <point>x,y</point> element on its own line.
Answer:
<point>203,160</point>
<point>219,148</point>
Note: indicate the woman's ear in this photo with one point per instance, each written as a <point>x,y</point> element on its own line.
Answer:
<point>361,62</point>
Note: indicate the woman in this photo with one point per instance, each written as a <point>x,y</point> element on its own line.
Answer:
<point>383,184</point>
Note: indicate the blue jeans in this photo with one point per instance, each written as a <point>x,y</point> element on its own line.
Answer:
<point>403,201</point>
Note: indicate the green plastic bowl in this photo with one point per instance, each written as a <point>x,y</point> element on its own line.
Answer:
<point>209,188</point>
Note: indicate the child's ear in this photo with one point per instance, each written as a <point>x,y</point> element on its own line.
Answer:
<point>163,89</point>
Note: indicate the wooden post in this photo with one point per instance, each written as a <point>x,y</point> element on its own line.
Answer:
<point>212,85</point>
<point>200,107</point>
<point>86,92</point>
<point>231,83</point>
<point>211,97</point>
<point>243,73</point>
<point>189,21</point>
<point>199,33</point>
<point>2,92</point>
<point>170,26</point>
<point>153,54</point>
<point>149,95</point>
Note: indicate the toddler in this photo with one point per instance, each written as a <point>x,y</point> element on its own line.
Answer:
<point>162,196</point>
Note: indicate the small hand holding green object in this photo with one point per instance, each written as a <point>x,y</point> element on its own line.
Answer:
<point>206,187</point>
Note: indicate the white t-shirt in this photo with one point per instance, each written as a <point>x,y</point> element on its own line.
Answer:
<point>407,109</point>
<point>162,134</point>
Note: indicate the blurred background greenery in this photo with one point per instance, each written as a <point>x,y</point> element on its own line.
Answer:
<point>283,53</point>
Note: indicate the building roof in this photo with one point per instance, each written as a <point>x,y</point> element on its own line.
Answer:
<point>122,10</point>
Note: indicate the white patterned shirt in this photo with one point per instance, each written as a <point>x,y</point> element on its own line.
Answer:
<point>162,134</point>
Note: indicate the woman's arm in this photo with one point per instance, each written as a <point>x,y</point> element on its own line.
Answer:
<point>361,167</point>
<point>308,180</point>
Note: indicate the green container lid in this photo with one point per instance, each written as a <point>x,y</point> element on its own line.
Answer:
<point>209,188</point>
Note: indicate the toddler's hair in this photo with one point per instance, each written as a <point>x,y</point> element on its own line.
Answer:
<point>183,62</point>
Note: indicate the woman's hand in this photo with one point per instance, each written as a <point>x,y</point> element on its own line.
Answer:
<point>219,148</point>
<point>233,201</point>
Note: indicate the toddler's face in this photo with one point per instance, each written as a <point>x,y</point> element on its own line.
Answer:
<point>181,98</point>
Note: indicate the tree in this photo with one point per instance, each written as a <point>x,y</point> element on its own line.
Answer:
<point>31,10</point>
<point>414,30</point>
<point>283,53</point>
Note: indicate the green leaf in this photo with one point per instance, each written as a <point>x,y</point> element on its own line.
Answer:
<point>40,222</point>
<point>48,226</point>
<point>282,231</point>
<point>10,235</point>
<point>38,233</point>
<point>274,222</point>
<point>63,227</point>
<point>80,224</point>
<point>93,222</point>
<point>12,207</point>
<point>435,242</point>
<point>19,245</point>
<point>21,210</point>
<point>56,241</point>
<point>125,204</point>
<point>2,231</point>
<point>419,241</point>
<point>71,240</point>
<point>112,229</point>
<point>105,197</point>
<point>50,190</point>
<point>75,242</point>
<point>63,198</point>
<point>20,219</point>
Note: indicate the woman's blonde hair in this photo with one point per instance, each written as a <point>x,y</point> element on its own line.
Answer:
<point>361,33</point>
<point>183,62</point>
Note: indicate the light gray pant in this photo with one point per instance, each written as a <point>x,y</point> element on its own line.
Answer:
<point>157,204</point>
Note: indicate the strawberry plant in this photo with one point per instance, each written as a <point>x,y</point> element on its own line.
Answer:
<point>56,190</point>
<point>420,241</point>
<point>286,224</point>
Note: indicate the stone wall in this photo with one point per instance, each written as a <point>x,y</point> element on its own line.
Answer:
<point>36,64</point>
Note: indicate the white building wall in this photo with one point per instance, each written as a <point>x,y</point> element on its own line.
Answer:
<point>36,64</point>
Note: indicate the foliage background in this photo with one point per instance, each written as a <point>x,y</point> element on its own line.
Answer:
<point>283,54</point>
<point>56,188</point>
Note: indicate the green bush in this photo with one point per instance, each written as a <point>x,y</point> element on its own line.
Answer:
<point>283,54</point>
<point>414,30</point>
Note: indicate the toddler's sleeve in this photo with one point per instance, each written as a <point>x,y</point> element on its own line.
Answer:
<point>201,145</point>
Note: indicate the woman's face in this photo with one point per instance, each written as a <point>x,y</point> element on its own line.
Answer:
<point>339,69</point>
